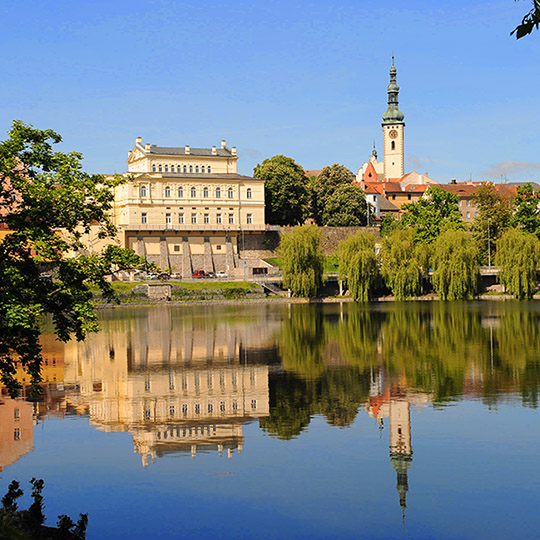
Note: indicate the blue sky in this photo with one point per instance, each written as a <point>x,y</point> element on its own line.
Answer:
<point>302,78</point>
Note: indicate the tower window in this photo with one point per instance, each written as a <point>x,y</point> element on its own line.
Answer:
<point>393,145</point>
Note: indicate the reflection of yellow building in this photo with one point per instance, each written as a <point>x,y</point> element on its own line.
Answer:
<point>16,430</point>
<point>177,385</point>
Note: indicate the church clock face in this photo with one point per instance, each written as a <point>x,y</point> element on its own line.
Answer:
<point>393,134</point>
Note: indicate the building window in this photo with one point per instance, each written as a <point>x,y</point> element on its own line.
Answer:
<point>248,193</point>
<point>235,405</point>
<point>191,168</point>
<point>16,414</point>
<point>185,168</point>
<point>253,403</point>
<point>230,193</point>
<point>171,410</point>
<point>205,192</point>
<point>178,168</point>
<point>171,379</point>
<point>218,193</point>
<point>231,218</point>
<point>197,169</point>
<point>177,248</point>
<point>210,408</point>
<point>202,169</point>
<point>193,218</point>
<point>222,406</point>
<point>193,192</point>
<point>181,219</point>
<point>184,408</point>
<point>153,168</point>
<point>209,169</point>
<point>147,383</point>
<point>143,191</point>
<point>166,168</point>
<point>197,409</point>
<point>147,414</point>
<point>180,192</point>
<point>393,145</point>
<point>167,191</point>
<point>468,215</point>
<point>168,219</point>
<point>218,219</point>
<point>249,219</point>
<point>207,218</point>
<point>160,168</point>
<point>144,217</point>
<point>409,196</point>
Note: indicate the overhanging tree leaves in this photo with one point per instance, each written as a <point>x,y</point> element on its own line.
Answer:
<point>358,265</point>
<point>518,255</point>
<point>455,266</point>
<point>48,203</point>
<point>286,190</point>
<point>302,261</point>
<point>529,22</point>
<point>436,212</point>
<point>401,268</point>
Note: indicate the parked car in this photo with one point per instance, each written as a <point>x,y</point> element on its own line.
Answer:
<point>164,276</point>
<point>221,274</point>
<point>198,274</point>
<point>210,275</point>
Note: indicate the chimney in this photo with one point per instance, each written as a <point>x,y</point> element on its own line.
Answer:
<point>223,144</point>
<point>187,149</point>
<point>138,140</point>
<point>214,151</point>
<point>453,181</point>
<point>233,150</point>
<point>147,147</point>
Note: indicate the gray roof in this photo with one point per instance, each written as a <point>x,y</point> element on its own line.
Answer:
<point>386,206</point>
<point>181,151</point>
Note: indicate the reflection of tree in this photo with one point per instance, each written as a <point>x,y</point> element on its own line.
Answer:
<point>291,406</point>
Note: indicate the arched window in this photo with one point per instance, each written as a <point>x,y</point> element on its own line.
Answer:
<point>185,168</point>
<point>248,193</point>
<point>180,192</point>
<point>143,191</point>
<point>230,193</point>
<point>202,169</point>
<point>193,192</point>
<point>159,168</point>
<point>218,193</point>
<point>209,169</point>
<point>197,169</point>
<point>178,169</point>
<point>205,192</point>
<point>153,168</point>
<point>166,168</point>
<point>167,191</point>
<point>191,168</point>
<point>393,145</point>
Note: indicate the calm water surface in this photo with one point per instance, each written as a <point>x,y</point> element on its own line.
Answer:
<point>290,421</point>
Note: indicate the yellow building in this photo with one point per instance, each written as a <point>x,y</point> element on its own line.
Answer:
<point>188,209</point>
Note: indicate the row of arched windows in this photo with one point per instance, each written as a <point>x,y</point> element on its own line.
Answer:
<point>167,192</point>
<point>202,169</point>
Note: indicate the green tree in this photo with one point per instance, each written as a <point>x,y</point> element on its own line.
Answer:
<point>286,190</point>
<point>400,266</point>
<point>346,207</point>
<point>47,203</point>
<point>433,214</point>
<point>358,265</point>
<point>302,261</point>
<point>326,183</point>
<point>529,22</point>
<point>526,209</point>
<point>455,265</point>
<point>389,224</point>
<point>518,255</point>
<point>494,215</point>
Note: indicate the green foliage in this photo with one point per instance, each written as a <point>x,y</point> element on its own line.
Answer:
<point>28,524</point>
<point>529,22</point>
<point>518,255</point>
<point>400,268</point>
<point>346,207</point>
<point>324,186</point>
<point>286,190</point>
<point>494,215</point>
<point>389,224</point>
<point>527,212</point>
<point>43,192</point>
<point>302,261</point>
<point>455,266</point>
<point>358,265</point>
<point>433,214</point>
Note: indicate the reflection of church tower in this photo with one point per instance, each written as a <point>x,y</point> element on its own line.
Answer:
<point>400,447</point>
<point>393,131</point>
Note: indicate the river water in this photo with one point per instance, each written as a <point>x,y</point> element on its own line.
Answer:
<point>278,421</point>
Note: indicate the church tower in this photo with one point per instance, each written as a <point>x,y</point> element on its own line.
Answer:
<point>393,131</point>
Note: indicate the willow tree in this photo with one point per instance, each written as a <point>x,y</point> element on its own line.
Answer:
<point>401,268</point>
<point>302,261</point>
<point>518,255</point>
<point>358,265</point>
<point>455,265</point>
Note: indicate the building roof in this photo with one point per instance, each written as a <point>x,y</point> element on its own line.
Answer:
<point>313,172</point>
<point>194,176</point>
<point>386,206</point>
<point>461,190</point>
<point>392,187</point>
<point>181,151</point>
